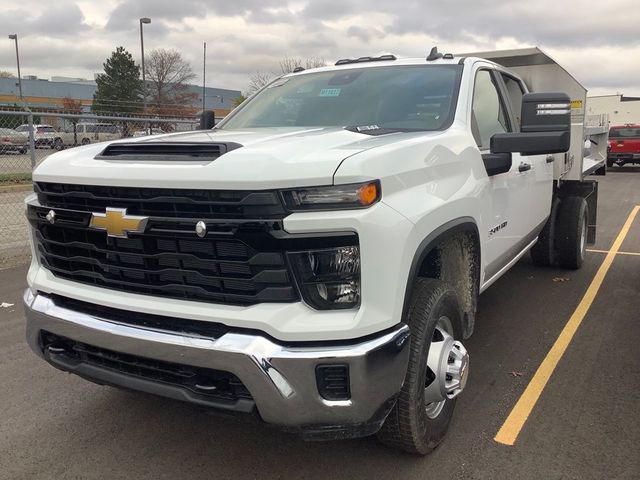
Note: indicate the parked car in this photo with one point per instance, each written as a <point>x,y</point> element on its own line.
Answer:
<point>145,133</point>
<point>13,141</point>
<point>95,132</point>
<point>624,145</point>
<point>44,136</point>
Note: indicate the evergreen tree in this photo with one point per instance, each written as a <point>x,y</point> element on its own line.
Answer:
<point>119,87</point>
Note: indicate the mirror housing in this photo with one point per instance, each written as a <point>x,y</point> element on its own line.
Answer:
<point>545,126</point>
<point>207,120</point>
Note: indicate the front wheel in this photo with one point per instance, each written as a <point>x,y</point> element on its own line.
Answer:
<point>436,374</point>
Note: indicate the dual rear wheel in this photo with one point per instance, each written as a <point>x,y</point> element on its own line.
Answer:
<point>563,239</point>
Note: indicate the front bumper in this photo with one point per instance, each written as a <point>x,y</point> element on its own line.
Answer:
<point>627,157</point>
<point>281,379</point>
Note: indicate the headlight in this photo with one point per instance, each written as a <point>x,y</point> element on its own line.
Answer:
<point>354,195</point>
<point>329,279</point>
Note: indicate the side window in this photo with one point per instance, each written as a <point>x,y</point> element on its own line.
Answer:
<point>515,93</point>
<point>487,114</point>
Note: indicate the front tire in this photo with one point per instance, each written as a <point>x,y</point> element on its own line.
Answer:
<point>416,425</point>
<point>571,232</point>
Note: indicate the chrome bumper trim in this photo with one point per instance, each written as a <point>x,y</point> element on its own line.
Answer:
<point>280,378</point>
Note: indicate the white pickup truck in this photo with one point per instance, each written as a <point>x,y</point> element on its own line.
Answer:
<point>316,258</point>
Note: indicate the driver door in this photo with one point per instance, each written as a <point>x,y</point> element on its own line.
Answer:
<point>507,225</point>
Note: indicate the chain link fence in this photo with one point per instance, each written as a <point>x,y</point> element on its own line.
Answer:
<point>27,138</point>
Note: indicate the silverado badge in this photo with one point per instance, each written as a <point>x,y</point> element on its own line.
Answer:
<point>117,223</point>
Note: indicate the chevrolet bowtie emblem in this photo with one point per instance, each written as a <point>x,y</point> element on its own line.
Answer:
<point>117,223</point>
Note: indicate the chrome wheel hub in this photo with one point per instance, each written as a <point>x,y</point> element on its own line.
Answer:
<point>447,368</point>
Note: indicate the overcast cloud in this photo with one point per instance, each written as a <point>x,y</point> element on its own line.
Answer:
<point>598,42</point>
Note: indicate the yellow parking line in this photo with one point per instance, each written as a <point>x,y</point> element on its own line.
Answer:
<point>512,426</point>
<point>617,253</point>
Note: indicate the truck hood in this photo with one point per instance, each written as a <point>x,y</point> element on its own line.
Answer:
<point>268,158</point>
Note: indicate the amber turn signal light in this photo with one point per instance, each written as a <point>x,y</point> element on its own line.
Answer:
<point>368,194</point>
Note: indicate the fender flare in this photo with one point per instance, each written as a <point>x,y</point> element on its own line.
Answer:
<point>438,235</point>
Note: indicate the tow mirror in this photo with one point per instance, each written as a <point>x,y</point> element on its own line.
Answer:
<point>207,120</point>
<point>545,126</point>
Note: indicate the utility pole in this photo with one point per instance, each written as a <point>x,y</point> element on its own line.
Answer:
<point>144,84</point>
<point>14,37</point>
<point>204,75</point>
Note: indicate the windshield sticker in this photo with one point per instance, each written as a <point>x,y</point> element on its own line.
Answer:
<point>330,92</point>
<point>305,89</point>
<point>366,128</point>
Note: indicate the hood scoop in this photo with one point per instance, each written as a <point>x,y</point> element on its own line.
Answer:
<point>166,151</point>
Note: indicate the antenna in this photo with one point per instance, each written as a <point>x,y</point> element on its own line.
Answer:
<point>434,55</point>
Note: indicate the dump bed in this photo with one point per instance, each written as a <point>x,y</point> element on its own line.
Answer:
<point>588,151</point>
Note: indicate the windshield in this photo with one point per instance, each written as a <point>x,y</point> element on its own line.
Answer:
<point>628,132</point>
<point>400,98</point>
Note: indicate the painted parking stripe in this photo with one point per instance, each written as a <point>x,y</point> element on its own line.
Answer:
<point>512,426</point>
<point>617,253</point>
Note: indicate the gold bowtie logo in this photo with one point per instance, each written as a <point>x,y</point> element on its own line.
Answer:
<point>117,223</point>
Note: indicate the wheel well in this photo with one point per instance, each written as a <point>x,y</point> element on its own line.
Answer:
<point>454,257</point>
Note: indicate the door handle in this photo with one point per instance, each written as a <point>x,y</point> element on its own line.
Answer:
<point>524,167</point>
<point>550,159</point>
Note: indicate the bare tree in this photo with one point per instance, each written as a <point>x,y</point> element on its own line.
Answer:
<point>72,106</point>
<point>167,76</point>
<point>259,79</point>
<point>289,64</point>
<point>5,74</point>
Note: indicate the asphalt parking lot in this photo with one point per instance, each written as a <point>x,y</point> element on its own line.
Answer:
<point>585,424</point>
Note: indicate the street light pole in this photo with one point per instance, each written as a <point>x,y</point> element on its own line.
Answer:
<point>204,74</point>
<point>144,84</point>
<point>15,38</point>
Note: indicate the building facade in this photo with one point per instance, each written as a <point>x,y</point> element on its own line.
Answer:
<point>40,94</point>
<point>620,109</point>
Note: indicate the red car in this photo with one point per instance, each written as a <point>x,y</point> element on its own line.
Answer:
<point>624,145</point>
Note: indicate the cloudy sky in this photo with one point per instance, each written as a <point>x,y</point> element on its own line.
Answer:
<point>598,42</point>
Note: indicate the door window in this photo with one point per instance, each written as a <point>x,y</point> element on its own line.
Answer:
<point>488,116</point>
<point>514,93</point>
